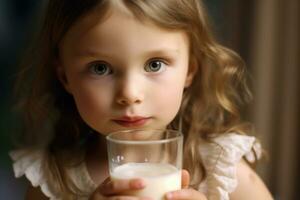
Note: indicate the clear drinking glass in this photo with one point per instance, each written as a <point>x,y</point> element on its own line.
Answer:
<point>153,155</point>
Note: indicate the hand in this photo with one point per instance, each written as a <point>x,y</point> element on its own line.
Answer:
<point>111,190</point>
<point>185,193</point>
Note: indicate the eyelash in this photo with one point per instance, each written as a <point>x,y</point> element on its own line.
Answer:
<point>107,66</point>
<point>157,60</point>
<point>108,69</point>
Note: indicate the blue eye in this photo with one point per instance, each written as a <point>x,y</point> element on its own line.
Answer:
<point>154,66</point>
<point>101,69</point>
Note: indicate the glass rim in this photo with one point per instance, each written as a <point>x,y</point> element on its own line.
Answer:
<point>178,136</point>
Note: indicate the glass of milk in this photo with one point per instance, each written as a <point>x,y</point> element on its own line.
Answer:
<point>153,155</point>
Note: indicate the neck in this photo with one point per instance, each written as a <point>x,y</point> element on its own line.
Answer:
<point>98,148</point>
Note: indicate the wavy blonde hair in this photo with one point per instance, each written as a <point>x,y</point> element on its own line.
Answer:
<point>210,106</point>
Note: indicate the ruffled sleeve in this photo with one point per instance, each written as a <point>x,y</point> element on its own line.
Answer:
<point>29,162</point>
<point>219,159</point>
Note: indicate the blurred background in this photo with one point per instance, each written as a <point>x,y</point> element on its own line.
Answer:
<point>266,35</point>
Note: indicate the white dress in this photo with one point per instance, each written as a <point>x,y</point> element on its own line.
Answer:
<point>219,159</point>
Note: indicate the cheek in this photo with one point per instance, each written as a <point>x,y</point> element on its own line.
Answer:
<point>172,98</point>
<point>168,100</point>
<point>170,92</point>
<point>92,104</point>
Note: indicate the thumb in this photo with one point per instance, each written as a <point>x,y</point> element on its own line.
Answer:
<point>185,179</point>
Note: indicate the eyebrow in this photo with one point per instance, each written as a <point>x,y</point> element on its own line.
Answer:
<point>161,51</point>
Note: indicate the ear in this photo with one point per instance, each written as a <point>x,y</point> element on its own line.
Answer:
<point>193,68</point>
<point>61,75</point>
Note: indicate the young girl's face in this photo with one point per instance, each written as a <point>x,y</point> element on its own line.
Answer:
<point>124,73</point>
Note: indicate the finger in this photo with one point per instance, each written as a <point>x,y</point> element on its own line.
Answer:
<point>128,198</point>
<point>109,187</point>
<point>183,194</point>
<point>98,196</point>
<point>185,179</point>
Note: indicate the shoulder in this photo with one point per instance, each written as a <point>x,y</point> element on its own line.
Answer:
<point>225,151</point>
<point>249,183</point>
<point>221,157</point>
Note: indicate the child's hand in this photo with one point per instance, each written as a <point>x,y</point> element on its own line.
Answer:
<point>113,190</point>
<point>185,193</point>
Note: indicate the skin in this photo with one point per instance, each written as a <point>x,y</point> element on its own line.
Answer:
<point>128,85</point>
<point>128,88</point>
<point>247,177</point>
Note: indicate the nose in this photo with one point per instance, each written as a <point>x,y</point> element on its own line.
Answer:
<point>129,91</point>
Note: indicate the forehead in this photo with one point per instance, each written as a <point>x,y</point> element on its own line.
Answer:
<point>118,28</point>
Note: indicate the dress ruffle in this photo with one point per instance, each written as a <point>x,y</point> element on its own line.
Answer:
<point>219,159</point>
<point>29,162</point>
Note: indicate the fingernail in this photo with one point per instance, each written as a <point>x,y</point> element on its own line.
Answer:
<point>146,198</point>
<point>138,184</point>
<point>169,195</point>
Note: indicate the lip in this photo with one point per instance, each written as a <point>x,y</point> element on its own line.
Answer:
<point>133,121</point>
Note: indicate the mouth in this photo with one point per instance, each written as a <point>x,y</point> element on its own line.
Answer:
<point>135,121</point>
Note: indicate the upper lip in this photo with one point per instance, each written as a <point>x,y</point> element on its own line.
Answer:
<point>130,118</point>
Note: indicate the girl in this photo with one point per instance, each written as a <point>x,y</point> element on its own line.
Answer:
<point>107,65</point>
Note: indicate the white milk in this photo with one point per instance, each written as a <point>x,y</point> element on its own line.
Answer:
<point>159,178</point>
